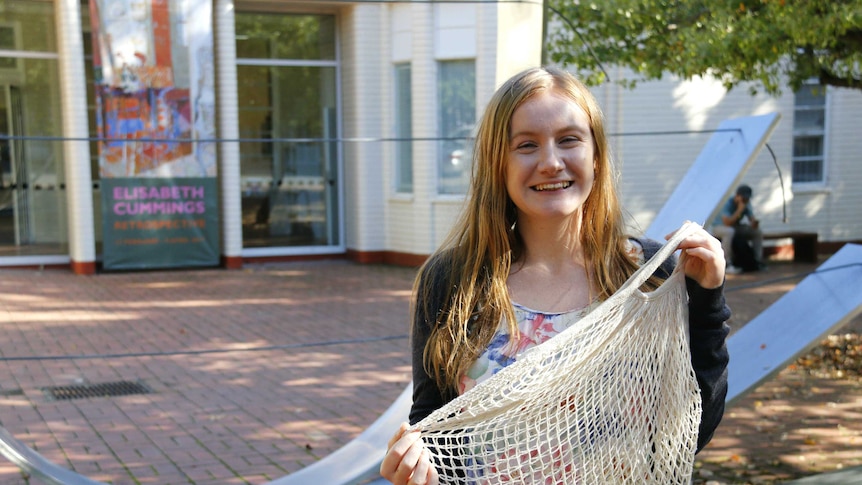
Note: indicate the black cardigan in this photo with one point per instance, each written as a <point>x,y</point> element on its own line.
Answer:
<point>707,314</point>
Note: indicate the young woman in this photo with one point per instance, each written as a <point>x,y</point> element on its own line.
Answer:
<point>541,240</point>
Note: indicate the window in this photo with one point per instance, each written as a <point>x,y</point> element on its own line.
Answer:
<point>456,83</point>
<point>809,127</point>
<point>287,72</point>
<point>285,37</point>
<point>33,217</point>
<point>9,42</point>
<point>403,130</point>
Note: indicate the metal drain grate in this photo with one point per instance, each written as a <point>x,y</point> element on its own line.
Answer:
<point>105,389</point>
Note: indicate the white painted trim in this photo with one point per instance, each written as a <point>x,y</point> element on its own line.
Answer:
<point>41,260</point>
<point>341,240</point>
<point>811,188</point>
<point>28,54</point>
<point>292,251</point>
<point>401,197</point>
<point>245,61</point>
<point>449,198</point>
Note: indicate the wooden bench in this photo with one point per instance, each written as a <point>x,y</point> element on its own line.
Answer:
<point>804,244</point>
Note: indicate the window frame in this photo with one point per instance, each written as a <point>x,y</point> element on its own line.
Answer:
<point>446,141</point>
<point>810,132</point>
<point>403,173</point>
<point>336,225</point>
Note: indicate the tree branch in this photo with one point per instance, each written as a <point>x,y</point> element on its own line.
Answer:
<point>827,78</point>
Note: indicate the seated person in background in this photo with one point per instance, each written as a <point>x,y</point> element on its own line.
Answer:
<point>728,225</point>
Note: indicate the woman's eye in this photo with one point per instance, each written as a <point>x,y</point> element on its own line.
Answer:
<point>569,140</point>
<point>526,145</point>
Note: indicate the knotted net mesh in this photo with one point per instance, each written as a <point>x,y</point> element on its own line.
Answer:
<point>611,400</point>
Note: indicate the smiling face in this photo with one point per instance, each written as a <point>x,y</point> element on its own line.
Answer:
<point>550,164</point>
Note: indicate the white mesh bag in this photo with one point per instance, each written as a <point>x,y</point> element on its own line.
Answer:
<point>611,400</point>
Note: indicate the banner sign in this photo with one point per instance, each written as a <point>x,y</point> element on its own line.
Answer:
<point>161,221</point>
<point>155,97</point>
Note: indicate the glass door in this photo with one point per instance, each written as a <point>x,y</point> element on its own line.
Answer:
<point>15,217</point>
<point>288,117</point>
<point>290,196</point>
<point>8,233</point>
<point>32,185</point>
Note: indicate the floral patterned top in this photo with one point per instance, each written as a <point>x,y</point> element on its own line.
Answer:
<point>534,328</point>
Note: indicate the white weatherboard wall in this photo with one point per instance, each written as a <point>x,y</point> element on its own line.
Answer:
<point>409,227</point>
<point>456,32</point>
<point>502,39</point>
<point>651,164</point>
<point>717,169</point>
<point>360,28</point>
<point>835,212</point>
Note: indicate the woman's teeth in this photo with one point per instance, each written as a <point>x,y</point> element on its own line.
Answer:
<point>556,186</point>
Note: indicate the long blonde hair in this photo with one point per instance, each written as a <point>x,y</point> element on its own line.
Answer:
<point>474,262</point>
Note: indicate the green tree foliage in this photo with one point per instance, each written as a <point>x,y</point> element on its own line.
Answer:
<point>770,43</point>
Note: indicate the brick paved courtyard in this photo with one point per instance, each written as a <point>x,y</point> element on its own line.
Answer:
<point>253,373</point>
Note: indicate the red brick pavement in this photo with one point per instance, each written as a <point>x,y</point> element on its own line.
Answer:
<point>255,373</point>
<point>337,357</point>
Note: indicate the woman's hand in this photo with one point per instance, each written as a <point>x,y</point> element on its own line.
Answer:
<point>704,259</point>
<point>407,461</point>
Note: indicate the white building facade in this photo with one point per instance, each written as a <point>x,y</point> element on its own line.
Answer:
<point>343,126</point>
<point>810,185</point>
<point>344,130</point>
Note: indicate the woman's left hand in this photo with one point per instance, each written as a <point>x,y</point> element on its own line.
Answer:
<point>704,259</point>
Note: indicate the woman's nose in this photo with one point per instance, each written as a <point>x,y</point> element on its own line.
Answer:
<point>551,160</point>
